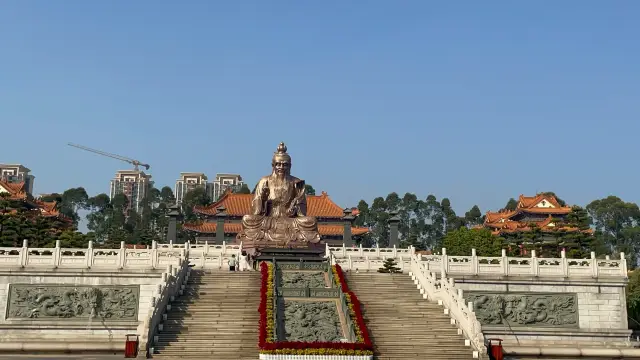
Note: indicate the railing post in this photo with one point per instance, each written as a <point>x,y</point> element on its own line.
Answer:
<point>327,252</point>
<point>89,254</point>
<point>122,257</point>
<point>623,265</point>
<point>205,251</point>
<point>24,258</point>
<point>445,261</point>
<point>505,263</point>
<point>361,252</point>
<point>154,254</point>
<point>344,249</point>
<point>57,253</point>
<point>564,263</point>
<point>474,262</point>
<point>594,265</point>
<point>534,264</point>
<point>350,262</point>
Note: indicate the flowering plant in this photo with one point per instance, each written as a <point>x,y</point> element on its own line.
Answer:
<point>355,308</point>
<point>266,339</point>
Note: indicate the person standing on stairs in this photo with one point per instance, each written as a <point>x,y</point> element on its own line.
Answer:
<point>232,263</point>
<point>243,263</point>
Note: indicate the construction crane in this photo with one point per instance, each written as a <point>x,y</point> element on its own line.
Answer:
<point>133,162</point>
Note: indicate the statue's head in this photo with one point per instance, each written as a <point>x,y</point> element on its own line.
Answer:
<point>281,161</point>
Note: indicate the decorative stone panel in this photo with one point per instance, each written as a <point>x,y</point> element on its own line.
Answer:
<point>60,302</point>
<point>557,310</point>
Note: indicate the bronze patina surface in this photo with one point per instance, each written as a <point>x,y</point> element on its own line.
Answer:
<point>279,210</point>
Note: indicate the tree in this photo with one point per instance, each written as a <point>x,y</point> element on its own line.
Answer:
<point>390,267</point>
<point>460,242</point>
<point>616,224</point>
<point>73,200</point>
<point>195,197</point>
<point>473,217</point>
<point>309,190</point>
<point>451,220</point>
<point>512,204</point>
<point>633,300</point>
<point>551,193</point>
<point>244,189</point>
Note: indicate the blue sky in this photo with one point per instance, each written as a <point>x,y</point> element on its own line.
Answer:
<point>475,101</point>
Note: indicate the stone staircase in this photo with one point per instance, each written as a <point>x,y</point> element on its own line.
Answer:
<point>403,325</point>
<point>216,318</point>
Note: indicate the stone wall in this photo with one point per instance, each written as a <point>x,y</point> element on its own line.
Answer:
<point>67,310</point>
<point>547,309</point>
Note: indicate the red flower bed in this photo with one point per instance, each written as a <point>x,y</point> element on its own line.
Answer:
<point>267,345</point>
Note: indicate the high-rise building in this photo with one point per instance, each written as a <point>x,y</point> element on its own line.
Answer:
<point>16,173</point>
<point>189,181</point>
<point>223,182</point>
<point>134,184</point>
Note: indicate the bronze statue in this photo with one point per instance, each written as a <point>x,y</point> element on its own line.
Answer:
<point>279,209</point>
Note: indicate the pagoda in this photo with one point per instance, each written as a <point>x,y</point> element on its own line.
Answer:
<point>542,211</point>
<point>231,207</point>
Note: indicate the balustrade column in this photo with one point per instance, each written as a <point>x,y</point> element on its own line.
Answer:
<point>594,265</point>
<point>505,263</point>
<point>444,259</point>
<point>474,262</point>
<point>24,254</point>
<point>534,264</point>
<point>564,263</point>
<point>89,254</point>
<point>57,253</point>
<point>154,254</point>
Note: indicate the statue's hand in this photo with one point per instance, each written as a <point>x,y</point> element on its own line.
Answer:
<point>265,193</point>
<point>291,211</point>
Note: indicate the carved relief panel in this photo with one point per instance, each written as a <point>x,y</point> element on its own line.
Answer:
<point>28,301</point>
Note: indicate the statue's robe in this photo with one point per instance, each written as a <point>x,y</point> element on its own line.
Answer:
<point>279,214</point>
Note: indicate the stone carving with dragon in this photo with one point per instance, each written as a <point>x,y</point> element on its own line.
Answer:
<point>68,302</point>
<point>525,309</point>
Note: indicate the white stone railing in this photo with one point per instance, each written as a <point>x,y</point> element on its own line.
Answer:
<point>371,259</point>
<point>172,284</point>
<point>374,252</point>
<point>444,292</point>
<point>525,266</point>
<point>89,258</point>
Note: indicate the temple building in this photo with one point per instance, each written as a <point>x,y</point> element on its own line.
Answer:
<point>19,191</point>
<point>543,210</point>
<point>231,207</point>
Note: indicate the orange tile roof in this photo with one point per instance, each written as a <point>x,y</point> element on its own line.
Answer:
<point>16,190</point>
<point>526,204</point>
<point>47,208</point>
<point>240,204</point>
<point>234,228</point>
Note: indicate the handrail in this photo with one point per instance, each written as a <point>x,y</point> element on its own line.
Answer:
<point>173,283</point>
<point>444,291</point>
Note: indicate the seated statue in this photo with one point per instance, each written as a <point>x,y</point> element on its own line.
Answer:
<point>279,209</point>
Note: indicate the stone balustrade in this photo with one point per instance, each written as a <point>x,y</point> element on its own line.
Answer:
<point>89,258</point>
<point>172,284</point>
<point>359,258</point>
<point>371,259</point>
<point>444,292</point>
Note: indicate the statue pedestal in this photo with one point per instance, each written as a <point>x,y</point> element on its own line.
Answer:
<point>300,254</point>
